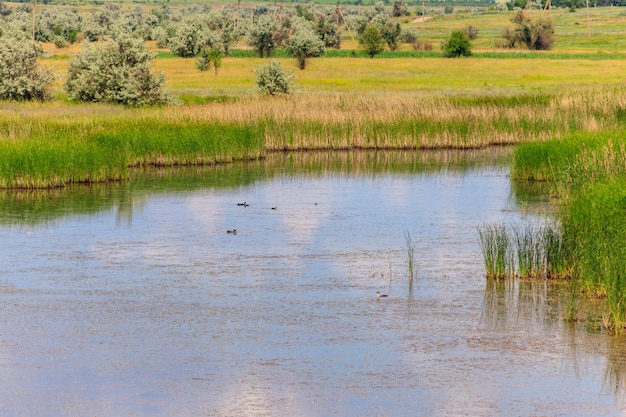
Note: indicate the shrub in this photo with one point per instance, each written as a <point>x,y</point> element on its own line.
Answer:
<point>471,32</point>
<point>209,57</point>
<point>303,44</point>
<point>272,80</point>
<point>535,34</point>
<point>20,76</point>
<point>189,39</point>
<point>261,36</point>
<point>116,71</point>
<point>457,45</point>
<point>372,41</point>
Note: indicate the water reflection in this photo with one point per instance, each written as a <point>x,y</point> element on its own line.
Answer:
<point>131,299</point>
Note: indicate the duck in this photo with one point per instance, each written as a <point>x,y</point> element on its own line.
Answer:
<point>244,204</point>
<point>232,232</point>
<point>274,208</point>
<point>379,295</point>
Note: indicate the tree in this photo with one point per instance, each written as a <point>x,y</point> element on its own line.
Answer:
<point>328,32</point>
<point>458,44</point>
<point>372,41</point>
<point>261,35</point>
<point>116,71</point>
<point>399,8</point>
<point>189,39</point>
<point>20,76</point>
<point>391,34</point>
<point>272,80</point>
<point>209,57</point>
<point>534,34</point>
<point>304,43</point>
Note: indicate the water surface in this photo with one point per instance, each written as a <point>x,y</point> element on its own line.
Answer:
<point>132,300</point>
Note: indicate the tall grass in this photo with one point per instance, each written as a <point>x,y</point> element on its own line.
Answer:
<point>496,249</point>
<point>589,175</point>
<point>410,247</point>
<point>48,153</point>
<point>594,225</point>
<point>526,252</point>
<point>51,144</point>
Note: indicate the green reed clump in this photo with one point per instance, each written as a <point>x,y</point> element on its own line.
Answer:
<point>496,249</point>
<point>53,154</point>
<point>557,263</point>
<point>594,228</point>
<point>527,252</point>
<point>575,159</point>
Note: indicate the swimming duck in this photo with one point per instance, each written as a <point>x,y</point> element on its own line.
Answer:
<point>379,295</point>
<point>232,232</point>
<point>244,204</point>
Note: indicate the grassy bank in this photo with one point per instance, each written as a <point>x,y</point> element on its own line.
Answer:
<point>43,145</point>
<point>588,172</point>
<point>49,153</point>
<point>245,127</point>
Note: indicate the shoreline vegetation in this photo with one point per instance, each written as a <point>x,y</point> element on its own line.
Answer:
<point>587,172</point>
<point>46,145</point>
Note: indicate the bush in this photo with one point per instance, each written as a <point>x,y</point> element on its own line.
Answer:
<point>189,39</point>
<point>457,45</point>
<point>261,36</point>
<point>304,44</point>
<point>372,41</point>
<point>534,34</point>
<point>116,71</point>
<point>20,76</point>
<point>471,32</point>
<point>272,80</point>
<point>206,58</point>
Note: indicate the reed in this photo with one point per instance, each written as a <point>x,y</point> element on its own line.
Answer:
<point>410,247</point>
<point>526,252</point>
<point>594,226</point>
<point>496,249</point>
<point>223,129</point>
<point>49,153</point>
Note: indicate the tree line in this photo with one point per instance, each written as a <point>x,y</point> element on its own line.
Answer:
<point>114,63</point>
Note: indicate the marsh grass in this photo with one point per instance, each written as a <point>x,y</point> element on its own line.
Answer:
<point>49,153</point>
<point>496,249</point>
<point>523,251</point>
<point>218,128</point>
<point>594,225</point>
<point>410,247</point>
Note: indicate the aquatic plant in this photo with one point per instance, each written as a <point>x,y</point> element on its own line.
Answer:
<point>525,251</point>
<point>594,228</point>
<point>496,250</point>
<point>410,247</point>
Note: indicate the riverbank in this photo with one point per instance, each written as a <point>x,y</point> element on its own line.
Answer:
<point>53,144</point>
<point>588,174</point>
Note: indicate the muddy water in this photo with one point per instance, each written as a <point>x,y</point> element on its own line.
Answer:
<point>133,300</point>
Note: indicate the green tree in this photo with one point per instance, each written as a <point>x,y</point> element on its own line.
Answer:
<point>534,34</point>
<point>272,80</point>
<point>391,34</point>
<point>189,39</point>
<point>261,35</point>
<point>20,76</point>
<point>304,43</point>
<point>115,71</point>
<point>208,58</point>
<point>458,44</point>
<point>372,41</point>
